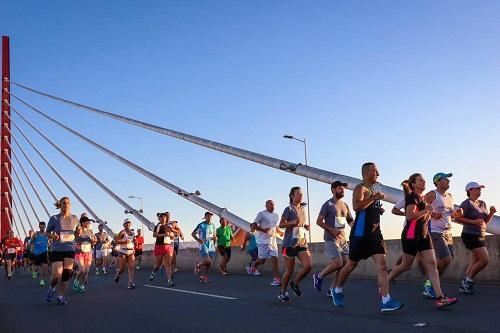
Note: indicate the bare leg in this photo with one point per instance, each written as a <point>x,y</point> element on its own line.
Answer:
<point>289,268</point>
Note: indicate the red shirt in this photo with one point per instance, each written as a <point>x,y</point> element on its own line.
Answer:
<point>138,242</point>
<point>14,243</point>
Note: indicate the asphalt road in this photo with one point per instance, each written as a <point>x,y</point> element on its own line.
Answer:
<point>235,303</point>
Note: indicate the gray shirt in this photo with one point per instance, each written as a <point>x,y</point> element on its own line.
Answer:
<point>65,228</point>
<point>294,236</point>
<point>333,218</point>
<point>473,212</point>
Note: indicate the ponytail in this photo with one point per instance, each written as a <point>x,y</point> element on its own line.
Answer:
<point>409,184</point>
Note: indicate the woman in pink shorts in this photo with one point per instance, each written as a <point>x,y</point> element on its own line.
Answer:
<point>84,240</point>
<point>164,232</point>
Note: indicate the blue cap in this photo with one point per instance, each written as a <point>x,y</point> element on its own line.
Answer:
<point>441,175</point>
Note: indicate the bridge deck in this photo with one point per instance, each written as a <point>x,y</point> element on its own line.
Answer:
<point>247,304</point>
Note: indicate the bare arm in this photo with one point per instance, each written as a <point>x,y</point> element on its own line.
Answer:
<point>398,212</point>
<point>361,200</point>
<point>320,222</point>
<point>412,214</point>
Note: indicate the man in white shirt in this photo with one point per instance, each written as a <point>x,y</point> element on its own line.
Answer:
<point>266,224</point>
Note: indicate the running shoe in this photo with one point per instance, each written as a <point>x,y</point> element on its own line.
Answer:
<point>467,287</point>
<point>131,285</point>
<point>61,300</point>
<point>75,284</point>
<point>152,276</point>
<point>283,296</point>
<point>317,281</point>
<point>275,282</point>
<point>105,272</point>
<point>248,270</point>
<point>117,278</point>
<point>429,290</point>
<point>295,288</point>
<point>96,272</point>
<point>137,267</point>
<point>337,298</point>
<point>176,270</point>
<point>170,283</point>
<point>391,305</point>
<point>81,289</point>
<point>42,283</point>
<point>444,301</point>
<point>329,293</point>
<point>255,272</point>
<point>204,279</point>
<point>34,274</point>
<point>50,295</point>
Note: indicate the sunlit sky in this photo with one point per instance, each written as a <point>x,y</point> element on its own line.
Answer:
<point>412,86</point>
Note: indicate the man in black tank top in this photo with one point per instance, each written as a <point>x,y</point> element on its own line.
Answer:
<point>366,238</point>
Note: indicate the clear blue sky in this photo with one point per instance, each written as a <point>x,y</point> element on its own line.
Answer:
<point>412,86</point>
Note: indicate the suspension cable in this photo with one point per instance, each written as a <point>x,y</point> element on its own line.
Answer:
<point>18,197</point>
<point>139,216</point>
<point>16,175</point>
<point>58,174</point>
<point>19,218</point>
<point>222,212</point>
<point>32,165</point>
<point>28,178</point>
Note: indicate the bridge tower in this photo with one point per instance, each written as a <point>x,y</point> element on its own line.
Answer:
<point>5,181</point>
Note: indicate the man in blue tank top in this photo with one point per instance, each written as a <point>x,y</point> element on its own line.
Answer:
<point>40,252</point>
<point>366,239</point>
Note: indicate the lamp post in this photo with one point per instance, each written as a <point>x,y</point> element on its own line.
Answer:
<point>291,137</point>
<point>140,211</point>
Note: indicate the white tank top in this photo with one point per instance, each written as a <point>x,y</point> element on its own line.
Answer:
<point>442,204</point>
<point>127,248</point>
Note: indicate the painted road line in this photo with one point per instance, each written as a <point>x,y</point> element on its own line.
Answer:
<point>189,292</point>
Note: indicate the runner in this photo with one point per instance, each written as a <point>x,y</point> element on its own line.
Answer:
<point>114,254</point>
<point>417,239</point>
<point>266,224</point>
<point>61,229</point>
<point>177,243</point>
<point>164,233</point>
<point>11,244</point>
<point>294,244</point>
<point>204,233</point>
<point>85,239</point>
<point>101,250</point>
<point>138,245</point>
<point>366,240</point>
<point>28,253</point>
<point>40,253</point>
<point>224,238</point>
<point>126,253</point>
<point>440,225</point>
<point>474,220</point>
<point>252,250</point>
<point>333,216</point>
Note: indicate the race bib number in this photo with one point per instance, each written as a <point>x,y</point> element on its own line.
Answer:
<point>11,250</point>
<point>86,247</point>
<point>167,240</point>
<point>340,221</point>
<point>210,236</point>
<point>67,236</point>
<point>18,248</point>
<point>300,234</point>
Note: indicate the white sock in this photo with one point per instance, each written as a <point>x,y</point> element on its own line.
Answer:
<point>468,279</point>
<point>386,298</point>
<point>338,290</point>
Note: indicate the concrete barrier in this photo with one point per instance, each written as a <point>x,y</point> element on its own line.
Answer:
<point>490,275</point>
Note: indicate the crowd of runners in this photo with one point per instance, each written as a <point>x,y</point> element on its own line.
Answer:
<point>68,244</point>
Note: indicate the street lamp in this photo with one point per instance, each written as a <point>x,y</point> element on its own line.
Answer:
<point>140,210</point>
<point>291,137</point>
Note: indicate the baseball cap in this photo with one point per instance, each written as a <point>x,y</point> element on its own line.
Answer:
<point>338,183</point>
<point>126,221</point>
<point>441,175</point>
<point>472,185</point>
<point>208,213</point>
<point>85,219</point>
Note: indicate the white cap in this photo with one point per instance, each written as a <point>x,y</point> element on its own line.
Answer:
<point>472,185</point>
